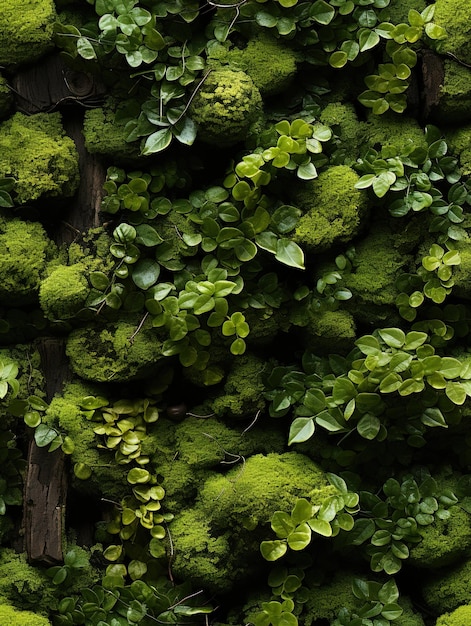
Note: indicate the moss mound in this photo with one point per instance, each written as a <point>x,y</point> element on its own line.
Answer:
<point>37,153</point>
<point>460,617</point>
<point>455,94</point>
<point>63,293</point>
<point>114,353</point>
<point>225,107</point>
<point>25,30</point>
<point>104,135</point>
<point>13,617</point>
<point>25,250</point>
<point>453,15</point>
<point>449,589</point>
<point>333,209</point>
<point>6,97</point>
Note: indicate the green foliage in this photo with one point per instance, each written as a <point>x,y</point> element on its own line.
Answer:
<point>333,209</point>
<point>106,135</point>
<point>448,14</point>
<point>35,151</point>
<point>26,29</point>
<point>378,602</point>
<point>454,92</point>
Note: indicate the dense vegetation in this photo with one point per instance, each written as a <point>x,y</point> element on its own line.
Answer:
<point>266,420</point>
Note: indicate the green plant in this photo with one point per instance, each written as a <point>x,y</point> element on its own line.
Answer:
<point>379,604</point>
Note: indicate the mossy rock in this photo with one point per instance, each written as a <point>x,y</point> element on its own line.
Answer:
<point>453,16</point>
<point>325,600</point>
<point>114,353</point>
<point>63,293</point>
<point>444,541</point>
<point>397,11</point>
<point>36,152</point>
<point>454,103</point>
<point>330,332</point>
<point>459,142</point>
<point>26,28</point>
<point>25,251</point>
<point>225,107</point>
<point>23,585</point>
<point>449,588</point>
<point>106,136</point>
<point>399,133</point>
<point>15,617</point>
<point>333,209</point>
<point>269,77</point>
<point>342,118</point>
<point>460,617</point>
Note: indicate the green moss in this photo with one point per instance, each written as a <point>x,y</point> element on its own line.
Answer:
<point>25,30</point>
<point>455,94</point>
<point>261,485</point>
<point>6,97</point>
<point>397,132</point>
<point>325,601</point>
<point>343,120</point>
<point>64,413</point>
<point>243,389</point>
<point>330,331</point>
<point>23,585</point>
<point>104,135</point>
<point>25,250</point>
<point>444,541</point>
<point>459,142</point>
<point>453,16</point>
<point>460,617</point>
<point>37,153</point>
<point>398,10</point>
<point>379,259</point>
<point>108,354</point>
<point>63,293</point>
<point>269,62</point>
<point>409,617</point>
<point>200,557</point>
<point>14,617</point>
<point>225,107</point>
<point>334,209</point>
<point>449,588</point>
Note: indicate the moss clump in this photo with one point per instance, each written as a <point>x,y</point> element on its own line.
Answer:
<point>37,153</point>
<point>269,77</point>
<point>449,589</point>
<point>395,132</point>
<point>6,97</point>
<point>254,490</point>
<point>325,601</point>
<point>460,617</point>
<point>330,331</point>
<point>343,120</point>
<point>243,389</point>
<point>25,250</point>
<point>398,10</point>
<point>459,142</point>
<point>225,107</point>
<point>453,16</point>
<point>104,135</point>
<point>63,293</point>
<point>334,209</point>
<point>14,617</point>
<point>23,585</point>
<point>444,541</point>
<point>109,355</point>
<point>455,94</point>
<point>26,28</point>
<point>65,414</point>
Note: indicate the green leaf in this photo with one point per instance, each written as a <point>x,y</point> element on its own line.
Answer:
<point>82,471</point>
<point>158,141</point>
<point>138,475</point>
<point>289,253</point>
<point>369,426</point>
<point>300,537</point>
<point>44,435</point>
<point>85,48</point>
<point>146,236</point>
<point>367,39</point>
<point>273,550</point>
<point>322,12</point>
<point>456,392</point>
<point>388,593</point>
<point>302,429</point>
<point>145,273</point>
<point>338,59</point>
<point>303,510</point>
<point>368,344</point>
<point>321,527</point>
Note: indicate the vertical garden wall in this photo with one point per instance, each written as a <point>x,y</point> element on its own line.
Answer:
<point>235,264</point>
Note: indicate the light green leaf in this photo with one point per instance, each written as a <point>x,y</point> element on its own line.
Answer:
<point>302,429</point>
<point>273,550</point>
<point>158,141</point>
<point>289,253</point>
<point>300,537</point>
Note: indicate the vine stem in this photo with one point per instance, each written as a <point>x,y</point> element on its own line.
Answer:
<point>141,324</point>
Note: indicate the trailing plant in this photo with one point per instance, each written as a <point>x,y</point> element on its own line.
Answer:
<point>378,606</point>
